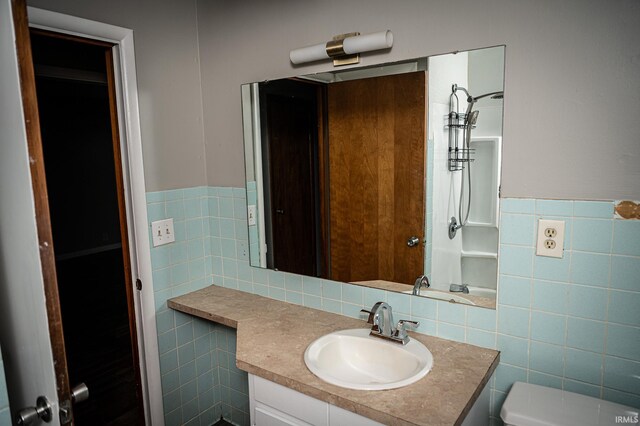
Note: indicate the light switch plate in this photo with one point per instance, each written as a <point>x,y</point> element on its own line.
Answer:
<point>162,231</point>
<point>550,242</point>
<point>251,214</point>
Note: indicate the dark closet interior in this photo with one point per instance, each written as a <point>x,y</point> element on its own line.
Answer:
<point>81,168</point>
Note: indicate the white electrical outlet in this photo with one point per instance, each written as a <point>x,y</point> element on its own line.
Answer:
<point>162,231</point>
<point>550,238</point>
<point>251,214</point>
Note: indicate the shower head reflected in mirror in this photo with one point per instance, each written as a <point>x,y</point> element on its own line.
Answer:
<point>492,95</point>
<point>472,100</point>
<point>472,118</point>
<point>460,156</point>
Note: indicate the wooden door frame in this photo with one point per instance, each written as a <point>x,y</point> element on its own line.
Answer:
<point>134,187</point>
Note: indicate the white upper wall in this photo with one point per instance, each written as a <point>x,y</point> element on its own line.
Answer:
<point>486,75</point>
<point>486,72</point>
<point>571,78</point>
<point>168,74</point>
<point>572,85</point>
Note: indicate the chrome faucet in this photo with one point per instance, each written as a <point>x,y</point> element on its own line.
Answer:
<point>381,317</point>
<point>421,281</point>
<point>459,288</point>
<point>381,320</point>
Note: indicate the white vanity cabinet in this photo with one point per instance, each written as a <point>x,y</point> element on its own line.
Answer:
<point>274,405</point>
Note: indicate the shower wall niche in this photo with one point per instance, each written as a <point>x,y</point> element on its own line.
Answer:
<point>479,256</point>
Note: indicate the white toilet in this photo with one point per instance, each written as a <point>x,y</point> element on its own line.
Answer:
<point>533,405</point>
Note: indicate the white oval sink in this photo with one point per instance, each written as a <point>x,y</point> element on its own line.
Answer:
<point>353,359</point>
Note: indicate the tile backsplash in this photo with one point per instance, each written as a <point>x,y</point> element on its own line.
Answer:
<point>200,382</point>
<point>570,323</point>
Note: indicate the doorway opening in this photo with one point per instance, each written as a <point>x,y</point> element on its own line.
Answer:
<point>78,119</point>
<point>292,125</point>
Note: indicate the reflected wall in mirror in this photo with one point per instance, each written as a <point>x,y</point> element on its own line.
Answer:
<point>376,176</point>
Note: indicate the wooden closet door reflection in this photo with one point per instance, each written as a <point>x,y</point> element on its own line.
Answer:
<point>377,129</point>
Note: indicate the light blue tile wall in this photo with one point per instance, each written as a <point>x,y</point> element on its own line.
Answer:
<point>577,318</point>
<point>200,382</point>
<point>234,383</point>
<point>5,413</point>
<point>555,321</point>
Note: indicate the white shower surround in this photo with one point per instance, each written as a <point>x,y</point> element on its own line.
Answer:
<point>444,71</point>
<point>449,263</point>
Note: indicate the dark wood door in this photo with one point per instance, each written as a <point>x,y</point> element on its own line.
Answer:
<point>291,135</point>
<point>81,151</point>
<point>377,134</point>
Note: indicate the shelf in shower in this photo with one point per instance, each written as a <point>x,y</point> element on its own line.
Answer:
<point>480,224</point>
<point>479,254</point>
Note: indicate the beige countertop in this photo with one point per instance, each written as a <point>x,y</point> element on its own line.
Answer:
<point>272,337</point>
<point>483,302</point>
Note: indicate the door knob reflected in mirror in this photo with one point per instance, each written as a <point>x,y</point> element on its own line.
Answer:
<point>413,241</point>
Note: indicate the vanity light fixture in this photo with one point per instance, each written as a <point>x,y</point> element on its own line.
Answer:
<point>344,49</point>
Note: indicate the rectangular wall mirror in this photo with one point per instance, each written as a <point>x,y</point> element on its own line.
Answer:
<point>377,176</point>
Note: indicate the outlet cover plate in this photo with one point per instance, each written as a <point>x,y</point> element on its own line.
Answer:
<point>162,231</point>
<point>544,237</point>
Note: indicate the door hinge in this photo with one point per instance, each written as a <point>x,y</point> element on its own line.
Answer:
<point>79,393</point>
<point>65,412</point>
<point>138,284</point>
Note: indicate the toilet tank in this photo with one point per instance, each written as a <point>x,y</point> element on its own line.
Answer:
<point>534,405</point>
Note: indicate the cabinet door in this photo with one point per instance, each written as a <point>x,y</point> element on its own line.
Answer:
<point>339,416</point>
<point>265,416</point>
<point>479,413</point>
<point>297,408</point>
<point>276,405</point>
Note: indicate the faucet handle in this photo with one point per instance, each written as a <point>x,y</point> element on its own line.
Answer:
<point>401,329</point>
<point>375,326</point>
<point>407,324</point>
<point>371,315</point>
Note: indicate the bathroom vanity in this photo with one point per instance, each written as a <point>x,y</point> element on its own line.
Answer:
<point>272,337</point>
